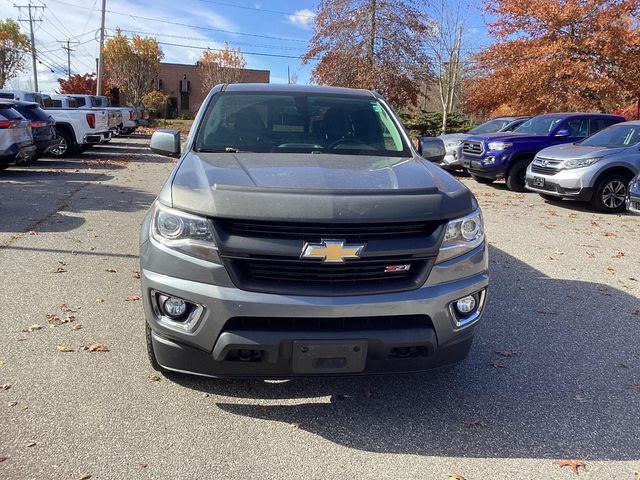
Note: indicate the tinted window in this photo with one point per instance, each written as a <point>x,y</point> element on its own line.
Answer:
<point>32,112</point>
<point>293,122</point>
<point>9,113</point>
<point>621,135</point>
<point>6,95</point>
<point>578,127</point>
<point>56,103</point>
<point>513,125</point>
<point>80,101</point>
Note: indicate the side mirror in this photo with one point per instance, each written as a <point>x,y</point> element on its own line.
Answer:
<point>166,142</point>
<point>563,132</point>
<point>431,148</point>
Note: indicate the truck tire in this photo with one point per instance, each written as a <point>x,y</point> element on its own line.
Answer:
<point>516,176</point>
<point>484,180</point>
<point>66,146</point>
<point>152,355</point>
<point>610,193</point>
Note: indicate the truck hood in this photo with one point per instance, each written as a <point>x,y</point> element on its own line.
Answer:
<point>509,137</point>
<point>317,187</point>
<point>452,137</point>
<point>573,151</point>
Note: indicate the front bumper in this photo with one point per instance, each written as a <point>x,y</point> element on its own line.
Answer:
<point>452,159</point>
<point>481,167</point>
<point>576,184</point>
<point>208,346</point>
<point>98,137</point>
<point>633,200</point>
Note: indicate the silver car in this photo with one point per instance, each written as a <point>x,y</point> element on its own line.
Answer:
<point>453,141</point>
<point>597,169</point>
<point>633,200</point>
<point>16,139</point>
<point>301,234</point>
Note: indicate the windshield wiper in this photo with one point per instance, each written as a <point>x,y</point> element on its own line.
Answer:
<point>220,150</point>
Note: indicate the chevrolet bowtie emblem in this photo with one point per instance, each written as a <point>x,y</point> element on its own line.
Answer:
<point>332,251</point>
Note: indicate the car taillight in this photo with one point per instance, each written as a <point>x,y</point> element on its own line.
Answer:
<point>91,120</point>
<point>38,123</point>
<point>142,114</point>
<point>132,115</point>
<point>9,123</point>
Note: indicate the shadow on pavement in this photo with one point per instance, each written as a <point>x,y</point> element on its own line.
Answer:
<point>558,389</point>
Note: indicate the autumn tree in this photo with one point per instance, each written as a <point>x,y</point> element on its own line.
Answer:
<point>13,46</point>
<point>373,44</point>
<point>156,101</point>
<point>81,84</point>
<point>221,66</point>
<point>132,64</point>
<point>555,55</point>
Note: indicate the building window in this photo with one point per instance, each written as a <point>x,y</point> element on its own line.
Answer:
<point>184,101</point>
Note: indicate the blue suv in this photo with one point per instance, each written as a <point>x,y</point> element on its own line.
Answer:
<point>507,155</point>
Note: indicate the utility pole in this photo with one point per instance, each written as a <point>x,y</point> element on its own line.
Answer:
<point>100,59</point>
<point>69,50</point>
<point>33,41</point>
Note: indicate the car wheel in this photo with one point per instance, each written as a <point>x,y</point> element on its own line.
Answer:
<point>484,180</point>
<point>516,176</point>
<point>65,147</point>
<point>610,194</point>
<point>150,352</point>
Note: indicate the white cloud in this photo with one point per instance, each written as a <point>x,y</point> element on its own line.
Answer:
<point>302,18</point>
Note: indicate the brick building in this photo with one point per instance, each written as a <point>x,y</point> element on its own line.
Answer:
<point>183,85</point>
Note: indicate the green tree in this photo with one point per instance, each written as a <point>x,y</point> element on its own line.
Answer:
<point>156,102</point>
<point>13,46</point>
<point>131,65</point>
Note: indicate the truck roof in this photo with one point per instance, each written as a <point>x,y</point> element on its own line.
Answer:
<point>574,114</point>
<point>285,88</point>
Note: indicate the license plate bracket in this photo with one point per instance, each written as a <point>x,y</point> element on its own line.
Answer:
<point>538,181</point>
<point>317,356</point>
<point>466,163</point>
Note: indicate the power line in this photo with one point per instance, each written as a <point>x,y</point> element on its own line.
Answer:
<point>258,9</point>
<point>185,24</point>
<point>68,49</point>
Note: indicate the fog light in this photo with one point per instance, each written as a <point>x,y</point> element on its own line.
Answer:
<point>175,307</point>
<point>466,305</point>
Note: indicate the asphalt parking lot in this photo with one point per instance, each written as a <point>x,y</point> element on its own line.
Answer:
<point>554,373</point>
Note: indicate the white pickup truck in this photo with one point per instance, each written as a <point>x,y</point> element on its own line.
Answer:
<point>77,129</point>
<point>129,115</point>
<point>89,102</point>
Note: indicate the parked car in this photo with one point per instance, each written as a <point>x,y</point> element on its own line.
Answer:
<point>129,115</point>
<point>453,141</point>
<point>507,155</point>
<point>16,141</point>
<point>25,96</point>
<point>90,102</point>
<point>302,234</point>
<point>42,127</point>
<point>633,200</point>
<point>597,170</point>
<point>76,129</point>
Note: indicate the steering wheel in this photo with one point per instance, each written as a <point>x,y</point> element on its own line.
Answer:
<point>350,141</point>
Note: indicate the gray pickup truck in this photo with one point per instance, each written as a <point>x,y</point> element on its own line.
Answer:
<point>301,234</point>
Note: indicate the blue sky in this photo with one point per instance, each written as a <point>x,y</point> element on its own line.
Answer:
<point>274,27</point>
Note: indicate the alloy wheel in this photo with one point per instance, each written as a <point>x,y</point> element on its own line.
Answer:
<point>61,148</point>
<point>614,194</point>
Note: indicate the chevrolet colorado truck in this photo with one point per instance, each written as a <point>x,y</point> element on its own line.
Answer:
<point>300,233</point>
<point>507,155</point>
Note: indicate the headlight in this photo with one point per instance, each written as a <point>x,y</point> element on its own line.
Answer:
<point>462,235</point>
<point>499,145</point>
<point>187,233</point>
<point>579,162</point>
<point>452,143</point>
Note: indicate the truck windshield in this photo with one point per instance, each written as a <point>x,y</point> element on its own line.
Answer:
<point>539,125</point>
<point>616,136</point>
<point>491,126</point>
<point>299,123</point>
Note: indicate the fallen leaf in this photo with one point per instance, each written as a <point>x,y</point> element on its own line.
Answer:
<point>636,312</point>
<point>205,395</point>
<point>634,386</point>
<point>5,386</point>
<point>60,270</point>
<point>154,378</point>
<point>67,309</point>
<point>144,465</point>
<point>618,255</point>
<point>95,347</point>
<point>456,476</point>
<point>111,270</point>
<point>509,353</point>
<point>608,234</point>
<point>64,349</point>
<point>82,476</point>
<point>32,232</point>
<point>574,464</point>
<point>474,424</point>
<point>136,275</point>
<point>32,328</point>
<point>4,457</point>
<point>611,270</point>
<point>12,404</point>
<point>31,444</point>
<point>294,425</point>
<point>495,364</point>
<point>53,319</point>
<point>76,327</point>
<point>99,300</point>
<point>132,298</point>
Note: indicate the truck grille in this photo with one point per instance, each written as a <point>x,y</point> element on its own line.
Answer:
<point>318,231</point>
<point>475,148</point>
<point>550,168</point>
<point>304,277</point>
<point>336,324</point>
